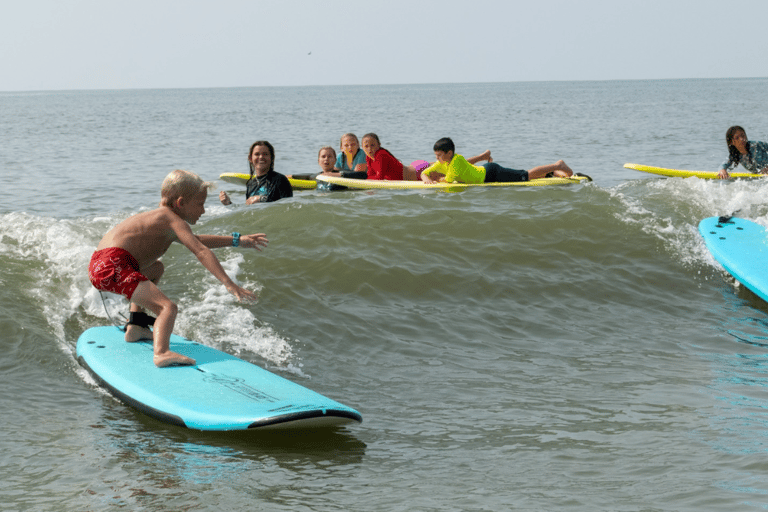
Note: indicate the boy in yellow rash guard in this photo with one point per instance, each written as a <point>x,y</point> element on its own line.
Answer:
<point>453,168</point>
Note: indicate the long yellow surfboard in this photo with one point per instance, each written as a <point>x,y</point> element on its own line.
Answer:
<point>452,187</point>
<point>242,178</point>
<point>680,173</point>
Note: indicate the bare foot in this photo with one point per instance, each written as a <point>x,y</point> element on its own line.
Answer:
<point>137,333</point>
<point>486,155</point>
<point>171,358</point>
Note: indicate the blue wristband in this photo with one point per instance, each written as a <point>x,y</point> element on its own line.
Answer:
<point>235,239</point>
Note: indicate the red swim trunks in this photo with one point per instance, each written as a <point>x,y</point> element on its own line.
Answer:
<point>114,270</point>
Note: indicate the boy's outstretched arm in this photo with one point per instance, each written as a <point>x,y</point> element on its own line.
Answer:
<point>253,241</point>
<point>208,259</point>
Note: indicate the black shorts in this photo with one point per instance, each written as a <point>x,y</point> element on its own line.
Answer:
<point>496,173</point>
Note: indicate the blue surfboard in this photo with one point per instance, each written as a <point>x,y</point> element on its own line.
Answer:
<point>221,392</point>
<point>741,247</point>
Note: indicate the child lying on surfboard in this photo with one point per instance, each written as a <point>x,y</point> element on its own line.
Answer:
<point>753,155</point>
<point>453,168</point>
<point>352,157</point>
<point>326,158</point>
<point>382,165</point>
<point>127,261</point>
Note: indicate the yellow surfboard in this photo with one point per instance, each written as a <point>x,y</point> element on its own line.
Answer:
<point>451,187</point>
<point>242,178</point>
<point>680,173</point>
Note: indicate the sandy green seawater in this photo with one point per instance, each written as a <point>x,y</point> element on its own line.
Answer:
<point>565,348</point>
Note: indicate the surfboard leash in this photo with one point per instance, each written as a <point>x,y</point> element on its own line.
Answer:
<point>726,219</point>
<point>134,317</point>
<point>106,310</point>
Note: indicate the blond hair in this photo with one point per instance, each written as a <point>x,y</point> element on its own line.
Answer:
<point>181,183</point>
<point>351,135</point>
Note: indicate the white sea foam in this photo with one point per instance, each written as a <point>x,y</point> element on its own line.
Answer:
<point>63,291</point>
<point>656,205</point>
<point>217,318</point>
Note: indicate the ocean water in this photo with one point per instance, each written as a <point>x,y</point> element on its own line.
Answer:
<point>557,348</point>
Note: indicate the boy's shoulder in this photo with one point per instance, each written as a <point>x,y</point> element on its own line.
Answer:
<point>458,158</point>
<point>161,212</point>
<point>159,216</point>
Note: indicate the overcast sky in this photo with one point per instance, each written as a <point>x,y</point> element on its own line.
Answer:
<point>104,44</point>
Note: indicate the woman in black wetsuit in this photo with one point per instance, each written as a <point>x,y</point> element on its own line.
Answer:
<point>265,184</point>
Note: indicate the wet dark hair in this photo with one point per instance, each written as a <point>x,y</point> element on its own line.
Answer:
<point>729,135</point>
<point>445,145</point>
<point>371,136</point>
<point>271,154</point>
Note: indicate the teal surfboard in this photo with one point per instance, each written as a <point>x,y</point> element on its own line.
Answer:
<point>741,247</point>
<point>221,392</point>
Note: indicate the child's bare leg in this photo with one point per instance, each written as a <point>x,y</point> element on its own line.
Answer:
<point>148,295</point>
<point>559,168</point>
<point>136,332</point>
<point>163,356</point>
<point>410,173</point>
<point>485,155</point>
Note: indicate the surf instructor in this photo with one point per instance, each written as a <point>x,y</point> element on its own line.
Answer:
<point>265,185</point>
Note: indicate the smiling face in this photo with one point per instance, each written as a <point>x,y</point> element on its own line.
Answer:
<point>261,160</point>
<point>370,146</point>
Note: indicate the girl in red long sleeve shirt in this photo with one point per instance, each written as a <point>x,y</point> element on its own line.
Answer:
<point>382,165</point>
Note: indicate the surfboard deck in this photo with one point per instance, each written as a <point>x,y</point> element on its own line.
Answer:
<point>680,173</point>
<point>220,393</point>
<point>741,247</point>
<point>242,178</point>
<point>451,187</point>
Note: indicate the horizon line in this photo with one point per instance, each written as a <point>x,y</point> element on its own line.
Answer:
<point>16,91</point>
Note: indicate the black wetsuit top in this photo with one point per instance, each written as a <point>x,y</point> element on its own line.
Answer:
<point>272,186</point>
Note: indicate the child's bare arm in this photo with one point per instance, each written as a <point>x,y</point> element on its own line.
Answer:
<point>207,258</point>
<point>254,241</point>
<point>485,155</point>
